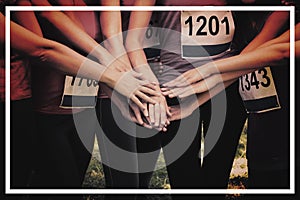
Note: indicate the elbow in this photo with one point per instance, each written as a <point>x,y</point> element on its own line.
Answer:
<point>43,53</point>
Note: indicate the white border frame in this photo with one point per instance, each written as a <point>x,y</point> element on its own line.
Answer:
<point>291,190</point>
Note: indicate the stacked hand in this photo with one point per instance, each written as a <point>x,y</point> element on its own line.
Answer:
<point>147,104</point>
<point>194,81</point>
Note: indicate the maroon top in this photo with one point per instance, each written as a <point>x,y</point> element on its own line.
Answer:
<point>48,83</point>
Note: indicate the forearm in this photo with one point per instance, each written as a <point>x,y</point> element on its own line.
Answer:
<point>111,25</point>
<point>270,30</point>
<point>139,21</point>
<point>27,19</point>
<point>61,57</point>
<point>271,55</point>
<point>74,33</point>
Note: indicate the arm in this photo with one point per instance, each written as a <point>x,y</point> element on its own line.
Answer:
<point>238,66</point>
<point>27,19</point>
<point>270,30</point>
<point>68,61</point>
<point>204,78</point>
<point>111,26</point>
<point>139,21</point>
<point>74,33</point>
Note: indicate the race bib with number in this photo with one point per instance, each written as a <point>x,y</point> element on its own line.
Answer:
<point>258,91</point>
<point>79,93</point>
<point>151,38</point>
<point>206,33</point>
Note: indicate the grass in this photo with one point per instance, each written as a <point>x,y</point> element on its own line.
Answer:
<point>238,178</point>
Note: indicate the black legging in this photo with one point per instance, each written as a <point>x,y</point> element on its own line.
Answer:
<point>186,171</point>
<point>63,157</point>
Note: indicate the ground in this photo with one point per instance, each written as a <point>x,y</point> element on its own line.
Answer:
<point>238,177</point>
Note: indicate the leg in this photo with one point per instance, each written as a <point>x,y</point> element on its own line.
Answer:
<point>113,138</point>
<point>22,136</point>
<point>60,148</point>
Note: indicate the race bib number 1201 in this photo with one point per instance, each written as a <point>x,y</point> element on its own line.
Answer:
<point>206,33</point>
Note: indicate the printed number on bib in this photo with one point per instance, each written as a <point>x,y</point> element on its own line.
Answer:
<point>151,38</point>
<point>79,93</point>
<point>258,91</point>
<point>206,33</point>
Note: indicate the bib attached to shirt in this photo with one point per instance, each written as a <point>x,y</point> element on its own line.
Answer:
<point>151,38</point>
<point>258,91</point>
<point>206,33</point>
<point>79,93</point>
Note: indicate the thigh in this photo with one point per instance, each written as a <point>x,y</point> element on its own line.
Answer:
<point>186,171</point>
<point>117,144</point>
<point>218,161</point>
<point>182,157</point>
<point>149,148</point>
<point>60,148</point>
<point>22,142</point>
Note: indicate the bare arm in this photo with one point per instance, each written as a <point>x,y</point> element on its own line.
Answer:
<point>74,33</point>
<point>111,26</point>
<point>139,21</point>
<point>270,30</point>
<point>27,19</point>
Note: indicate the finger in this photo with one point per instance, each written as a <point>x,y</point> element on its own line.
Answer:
<point>145,112</point>
<point>151,114</point>
<point>147,126</point>
<point>195,89</point>
<point>149,91</point>
<point>157,114</point>
<point>148,84</point>
<point>190,91</point>
<point>137,113</point>
<point>168,111</point>
<point>168,122</point>
<point>145,97</point>
<point>167,93</point>
<point>199,87</point>
<point>163,89</point>
<point>148,121</point>
<point>178,91</point>
<point>174,82</point>
<point>163,115</point>
<point>135,100</point>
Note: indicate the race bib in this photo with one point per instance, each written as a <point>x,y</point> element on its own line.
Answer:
<point>79,93</point>
<point>151,38</point>
<point>206,33</point>
<point>258,91</point>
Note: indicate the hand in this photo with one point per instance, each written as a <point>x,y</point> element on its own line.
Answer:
<point>185,109</point>
<point>129,111</point>
<point>189,104</point>
<point>130,85</point>
<point>191,76</point>
<point>193,88</point>
<point>121,64</point>
<point>159,113</point>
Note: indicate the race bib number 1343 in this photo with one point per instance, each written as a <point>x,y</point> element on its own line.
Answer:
<point>258,91</point>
